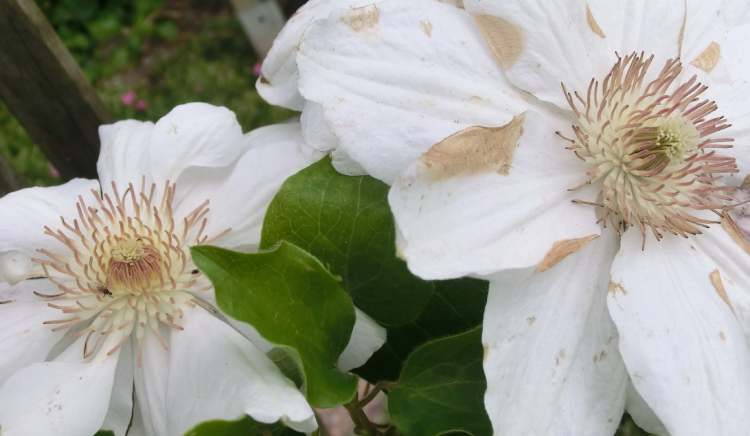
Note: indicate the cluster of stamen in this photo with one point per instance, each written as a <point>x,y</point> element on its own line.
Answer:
<point>125,268</point>
<point>651,148</point>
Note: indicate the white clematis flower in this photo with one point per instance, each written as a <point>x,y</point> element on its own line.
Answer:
<point>106,322</point>
<point>593,195</point>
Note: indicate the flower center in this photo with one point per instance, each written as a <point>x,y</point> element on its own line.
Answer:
<point>650,147</point>
<point>133,267</point>
<point>125,267</point>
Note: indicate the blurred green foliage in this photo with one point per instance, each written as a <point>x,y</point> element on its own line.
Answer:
<point>152,55</point>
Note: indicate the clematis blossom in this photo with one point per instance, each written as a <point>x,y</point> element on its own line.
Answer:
<point>106,322</point>
<point>583,156</point>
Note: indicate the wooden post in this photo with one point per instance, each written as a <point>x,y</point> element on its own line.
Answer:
<point>261,20</point>
<point>44,88</point>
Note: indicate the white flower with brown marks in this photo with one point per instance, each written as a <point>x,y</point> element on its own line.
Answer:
<point>582,155</point>
<point>105,321</point>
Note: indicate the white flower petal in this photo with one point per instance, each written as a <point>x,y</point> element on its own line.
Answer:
<point>735,12</point>
<point>732,97</point>
<point>344,164</point>
<point>701,26</point>
<point>367,338</point>
<point>683,347</point>
<point>643,416</point>
<point>240,195</point>
<point>138,427</point>
<point>410,74</point>
<point>733,263</point>
<point>315,128</point>
<point>486,222</point>
<point>120,415</point>
<point>124,156</point>
<point>151,372</point>
<point>61,397</point>
<point>551,357</point>
<point>23,338</point>
<point>24,215</point>
<point>278,84</point>
<point>572,41</point>
<point>215,373</point>
<point>16,266</point>
<point>192,135</point>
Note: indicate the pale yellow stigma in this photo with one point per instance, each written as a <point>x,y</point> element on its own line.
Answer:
<point>651,148</point>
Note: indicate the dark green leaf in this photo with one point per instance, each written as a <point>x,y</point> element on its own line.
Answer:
<point>456,306</point>
<point>243,427</point>
<point>105,433</point>
<point>441,388</point>
<point>346,222</point>
<point>293,301</point>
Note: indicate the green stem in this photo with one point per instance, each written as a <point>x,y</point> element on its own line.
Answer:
<point>362,424</point>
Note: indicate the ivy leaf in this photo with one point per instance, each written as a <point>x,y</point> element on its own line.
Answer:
<point>293,301</point>
<point>456,306</point>
<point>346,222</point>
<point>441,388</point>
<point>244,426</point>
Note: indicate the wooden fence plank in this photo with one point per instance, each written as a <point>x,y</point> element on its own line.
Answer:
<point>261,20</point>
<point>46,91</point>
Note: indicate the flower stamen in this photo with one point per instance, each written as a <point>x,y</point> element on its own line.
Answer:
<point>651,150</point>
<point>125,269</point>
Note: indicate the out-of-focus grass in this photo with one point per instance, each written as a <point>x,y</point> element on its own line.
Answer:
<point>163,53</point>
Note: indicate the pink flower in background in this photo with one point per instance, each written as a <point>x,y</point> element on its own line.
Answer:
<point>257,69</point>
<point>141,105</point>
<point>128,98</point>
<point>52,171</point>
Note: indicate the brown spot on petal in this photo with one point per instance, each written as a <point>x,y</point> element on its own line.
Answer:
<point>735,232</point>
<point>593,25</point>
<point>485,353</point>
<point>6,301</point>
<point>614,288</point>
<point>722,336</point>
<point>598,357</point>
<point>708,58</point>
<point>715,278</point>
<point>562,249</point>
<point>504,38</point>
<point>426,28</point>
<point>362,18</point>
<point>746,183</point>
<point>474,150</point>
<point>531,320</point>
<point>560,356</point>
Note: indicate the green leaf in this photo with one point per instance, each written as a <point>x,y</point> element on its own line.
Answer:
<point>629,428</point>
<point>346,222</point>
<point>105,433</point>
<point>441,388</point>
<point>293,301</point>
<point>456,306</point>
<point>242,427</point>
